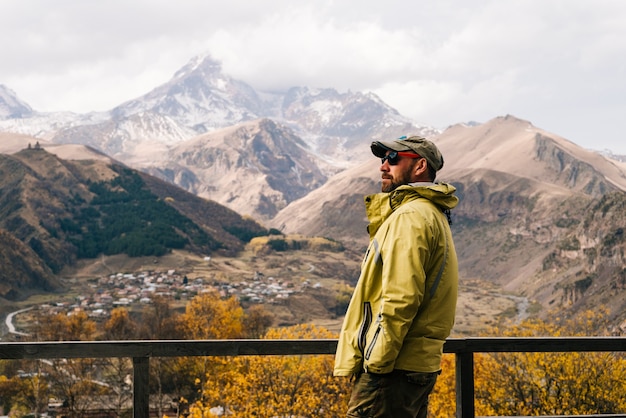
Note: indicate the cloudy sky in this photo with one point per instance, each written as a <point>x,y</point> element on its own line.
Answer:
<point>560,64</point>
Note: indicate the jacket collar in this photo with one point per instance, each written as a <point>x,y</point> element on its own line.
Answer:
<point>380,206</point>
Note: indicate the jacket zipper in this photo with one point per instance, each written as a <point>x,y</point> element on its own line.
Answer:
<point>365,324</point>
<point>375,337</point>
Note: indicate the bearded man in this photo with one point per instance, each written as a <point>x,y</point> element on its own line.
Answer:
<point>403,307</point>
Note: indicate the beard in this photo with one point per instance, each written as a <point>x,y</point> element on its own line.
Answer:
<point>391,183</point>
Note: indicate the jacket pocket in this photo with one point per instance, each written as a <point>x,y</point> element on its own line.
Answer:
<point>365,325</point>
<point>372,344</point>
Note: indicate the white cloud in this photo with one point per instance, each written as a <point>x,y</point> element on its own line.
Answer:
<point>300,47</point>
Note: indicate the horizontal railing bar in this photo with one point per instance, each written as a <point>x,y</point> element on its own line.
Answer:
<point>184,348</point>
<point>534,344</point>
<point>163,348</point>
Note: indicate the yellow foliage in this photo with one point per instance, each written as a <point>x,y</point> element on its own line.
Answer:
<point>528,384</point>
<point>80,327</point>
<point>442,401</point>
<point>209,317</point>
<point>295,242</point>
<point>22,394</point>
<point>62,327</point>
<point>265,386</point>
<point>119,326</point>
<point>552,383</point>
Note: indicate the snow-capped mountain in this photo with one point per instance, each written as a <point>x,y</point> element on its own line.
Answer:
<point>342,124</point>
<point>11,106</point>
<point>201,98</point>
<point>328,132</point>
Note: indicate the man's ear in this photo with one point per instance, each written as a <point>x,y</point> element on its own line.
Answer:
<point>421,168</point>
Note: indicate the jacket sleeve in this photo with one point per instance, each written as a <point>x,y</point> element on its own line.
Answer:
<point>405,250</point>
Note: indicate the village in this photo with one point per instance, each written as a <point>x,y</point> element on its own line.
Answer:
<point>133,290</point>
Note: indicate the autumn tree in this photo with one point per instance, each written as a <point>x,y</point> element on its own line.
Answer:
<point>577,383</point>
<point>514,384</point>
<point>265,386</point>
<point>21,393</point>
<point>442,400</point>
<point>256,321</point>
<point>120,326</point>
<point>66,379</point>
<point>75,381</point>
<point>207,316</point>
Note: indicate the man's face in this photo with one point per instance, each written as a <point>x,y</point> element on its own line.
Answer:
<point>395,175</point>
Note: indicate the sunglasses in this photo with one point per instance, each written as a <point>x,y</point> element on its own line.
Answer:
<point>393,157</point>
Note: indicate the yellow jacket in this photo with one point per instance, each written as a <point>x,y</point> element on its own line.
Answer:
<point>402,309</point>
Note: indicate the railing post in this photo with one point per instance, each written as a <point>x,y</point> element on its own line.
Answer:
<point>141,388</point>
<point>465,385</point>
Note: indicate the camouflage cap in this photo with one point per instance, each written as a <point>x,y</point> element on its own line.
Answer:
<point>417,144</point>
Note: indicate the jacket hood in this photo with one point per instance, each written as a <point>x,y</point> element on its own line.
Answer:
<point>441,194</point>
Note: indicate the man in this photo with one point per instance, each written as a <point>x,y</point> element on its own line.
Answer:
<point>403,306</point>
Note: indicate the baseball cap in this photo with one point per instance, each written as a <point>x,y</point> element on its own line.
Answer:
<point>417,144</point>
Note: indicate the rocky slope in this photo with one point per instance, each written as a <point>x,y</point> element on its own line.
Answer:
<point>255,168</point>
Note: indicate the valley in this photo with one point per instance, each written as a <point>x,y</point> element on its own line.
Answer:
<point>296,287</point>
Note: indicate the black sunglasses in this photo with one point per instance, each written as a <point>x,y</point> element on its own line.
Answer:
<point>393,157</point>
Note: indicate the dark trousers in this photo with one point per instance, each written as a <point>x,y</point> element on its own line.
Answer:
<point>399,394</point>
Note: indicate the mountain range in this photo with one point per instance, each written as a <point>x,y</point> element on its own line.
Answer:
<point>148,132</point>
<point>539,216</point>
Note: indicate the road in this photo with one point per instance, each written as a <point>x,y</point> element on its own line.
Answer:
<point>9,322</point>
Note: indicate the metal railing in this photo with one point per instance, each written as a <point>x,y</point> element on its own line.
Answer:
<point>142,351</point>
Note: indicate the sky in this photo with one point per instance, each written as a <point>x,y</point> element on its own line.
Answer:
<point>559,64</point>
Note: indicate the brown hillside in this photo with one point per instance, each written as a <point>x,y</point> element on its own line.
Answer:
<point>22,271</point>
<point>514,146</point>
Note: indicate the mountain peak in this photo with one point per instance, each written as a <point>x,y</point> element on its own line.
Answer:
<point>11,106</point>
<point>203,63</point>
<point>511,145</point>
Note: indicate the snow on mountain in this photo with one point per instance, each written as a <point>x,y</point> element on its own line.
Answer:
<point>128,139</point>
<point>11,106</point>
<point>199,96</point>
<point>16,116</point>
<point>47,125</point>
<point>344,123</point>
